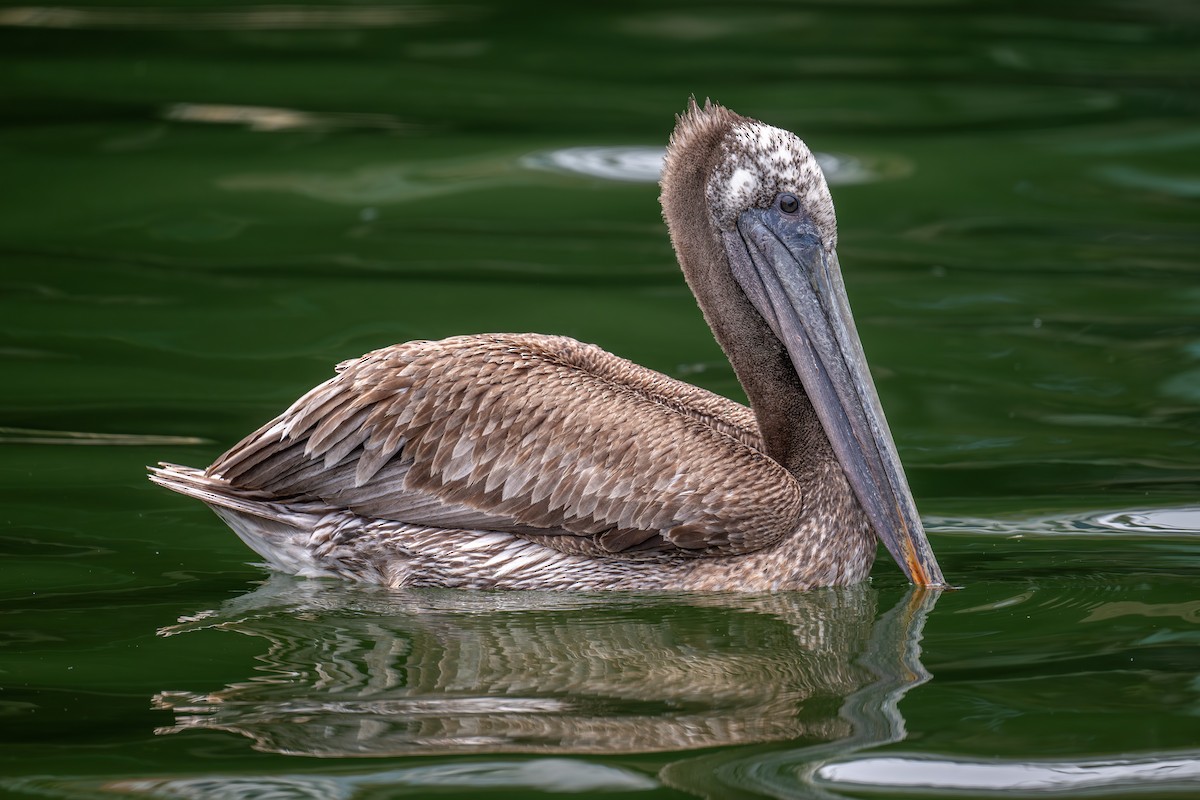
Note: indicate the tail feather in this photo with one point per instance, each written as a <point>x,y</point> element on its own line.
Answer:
<point>215,492</point>
<point>278,532</point>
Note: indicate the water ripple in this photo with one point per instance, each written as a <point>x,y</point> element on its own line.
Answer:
<point>260,17</point>
<point>1140,522</point>
<point>920,773</point>
<point>35,436</point>
<point>1152,520</point>
<point>642,164</point>
<point>270,118</point>
<point>539,775</point>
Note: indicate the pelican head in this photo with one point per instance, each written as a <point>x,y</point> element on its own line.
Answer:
<point>753,223</point>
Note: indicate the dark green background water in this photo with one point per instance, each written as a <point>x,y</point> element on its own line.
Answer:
<point>205,206</point>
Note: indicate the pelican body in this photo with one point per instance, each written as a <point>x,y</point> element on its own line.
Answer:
<point>525,461</point>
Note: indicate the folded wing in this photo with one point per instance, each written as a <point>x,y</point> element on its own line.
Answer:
<point>542,436</point>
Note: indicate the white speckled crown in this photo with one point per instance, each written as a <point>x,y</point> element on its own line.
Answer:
<point>758,162</point>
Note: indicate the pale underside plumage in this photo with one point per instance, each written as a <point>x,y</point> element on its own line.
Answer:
<point>513,461</point>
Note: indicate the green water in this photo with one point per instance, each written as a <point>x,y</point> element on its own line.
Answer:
<point>206,206</point>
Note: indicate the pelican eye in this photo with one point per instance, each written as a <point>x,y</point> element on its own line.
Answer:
<point>788,203</point>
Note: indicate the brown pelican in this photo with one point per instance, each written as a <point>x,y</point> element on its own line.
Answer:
<point>524,461</point>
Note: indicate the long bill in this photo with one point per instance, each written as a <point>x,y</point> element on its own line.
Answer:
<point>795,283</point>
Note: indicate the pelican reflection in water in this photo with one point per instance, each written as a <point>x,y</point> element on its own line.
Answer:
<point>363,671</point>
<point>524,461</point>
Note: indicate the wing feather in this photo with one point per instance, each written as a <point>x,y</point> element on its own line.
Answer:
<point>541,436</point>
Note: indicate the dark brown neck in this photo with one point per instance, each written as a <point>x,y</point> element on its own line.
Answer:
<point>790,428</point>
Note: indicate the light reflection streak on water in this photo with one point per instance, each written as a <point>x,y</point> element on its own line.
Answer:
<point>1135,522</point>
<point>33,436</point>
<point>1165,772</point>
<point>643,164</point>
<point>271,119</point>
<point>257,17</point>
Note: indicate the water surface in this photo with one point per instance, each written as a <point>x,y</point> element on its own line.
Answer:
<point>207,206</point>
